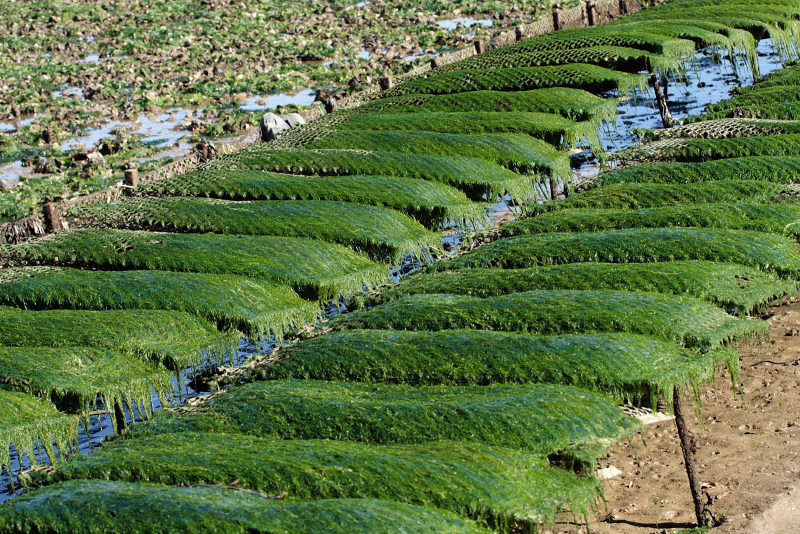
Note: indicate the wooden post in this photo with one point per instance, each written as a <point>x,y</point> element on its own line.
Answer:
<point>553,189</point>
<point>623,7</point>
<point>17,116</point>
<point>480,47</point>
<point>131,176</point>
<point>689,446</point>
<point>385,82</point>
<point>52,217</point>
<point>556,17</point>
<point>119,417</point>
<point>590,13</point>
<point>661,99</point>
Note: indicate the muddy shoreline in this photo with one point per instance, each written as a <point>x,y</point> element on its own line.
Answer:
<point>749,454</point>
<point>208,73</point>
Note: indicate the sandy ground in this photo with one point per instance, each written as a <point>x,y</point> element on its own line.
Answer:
<point>749,457</point>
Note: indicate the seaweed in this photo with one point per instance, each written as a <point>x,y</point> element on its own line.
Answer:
<point>578,51</point>
<point>736,288</point>
<point>94,505</point>
<point>590,78</point>
<point>249,305</point>
<point>376,231</point>
<point>479,179</point>
<point>626,366</point>
<point>431,203</point>
<point>174,339</point>
<point>573,104</point>
<point>768,252</point>
<point>692,150</point>
<point>553,129</point>
<point>499,486</point>
<point>775,169</point>
<point>686,320</point>
<point>517,152</point>
<point>33,425</point>
<point>781,219</point>
<point>73,378</point>
<point>540,418</point>
<point>315,269</point>
<point>637,195</point>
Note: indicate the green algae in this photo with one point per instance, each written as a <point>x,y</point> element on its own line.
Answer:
<point>499,486</point>
<point>768,252</point>
<point>541,418</point>
<point>315,269</point>
<point>686,320</point>
<point>625,365</point>
<point>250,305</point>
<point>92,506</point>
<point>736,288</point>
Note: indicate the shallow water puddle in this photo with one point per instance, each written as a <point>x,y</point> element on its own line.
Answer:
<point>12,172</point>
<point>707,82</point>
<point>75,93</point>
<point>175,152</point>
<point>10,127</point>
<point>262,103</point>
<point>166,128</point>
<point>452,24</point>
<point>91,58</point>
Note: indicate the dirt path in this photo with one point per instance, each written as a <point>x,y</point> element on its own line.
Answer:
<point>749,458</point>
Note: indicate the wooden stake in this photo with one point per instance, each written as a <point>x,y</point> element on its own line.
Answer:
<point>556,17</point>
<point>689,446</point>
<point>590,13</point>
<point>385,82</point>
<point>553,189</point>
<point>666,116</point>
<point>623,7</point>
<point>119,417</point>
<point>52,217</point>
<point>131,177</point>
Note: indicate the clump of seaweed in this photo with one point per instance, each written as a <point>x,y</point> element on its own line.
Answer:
<point>737,288</point>
<point>251,305</point>
<point>541,418</point>
<point>627,366</point>
<point>431,203</point>
<point>376,231</point>
<point>686,320</point>
<point>774,218</point>
<point>313,268</point>
<point>765,251</point>
<point>498,486</point>
<point>142,507</point>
